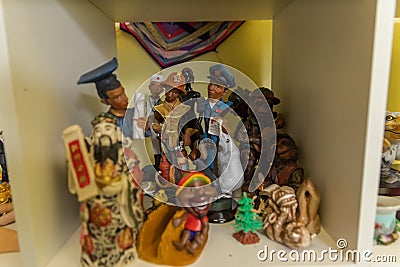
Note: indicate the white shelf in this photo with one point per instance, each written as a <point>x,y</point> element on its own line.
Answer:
<point>221,250</point>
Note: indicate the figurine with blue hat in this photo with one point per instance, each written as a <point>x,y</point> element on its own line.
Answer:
<point>111,93</point>
<point>213,109</point>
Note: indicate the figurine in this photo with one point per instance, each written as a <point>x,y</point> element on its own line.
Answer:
<point>176,236</point>
<point>178,129</point>
<point>390,176</point>
<point>249,134</point>
<point>285,169</point>
<point>112,93</point>
<point>246,222</point>
<point>195,232</point>
<point>213,110</point>
<point>111,211</point>
<point>144,108</point>
<point>189,78</point>
<point>175,87</point>
<point>291,217</point>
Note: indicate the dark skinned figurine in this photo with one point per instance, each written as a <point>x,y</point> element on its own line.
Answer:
<point>112,93</point>
<point>195,232</point>
<point>285,169</point>
<point>250,133</point>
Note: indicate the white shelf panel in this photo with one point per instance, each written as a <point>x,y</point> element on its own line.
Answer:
<point>221,250</point>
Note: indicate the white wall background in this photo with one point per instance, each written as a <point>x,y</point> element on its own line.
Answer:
<point>50,44</point>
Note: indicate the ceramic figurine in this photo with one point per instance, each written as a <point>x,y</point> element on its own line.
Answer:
<point>176,236</point>
<point>196,205</point>
<point>111,212</point>
<point>112,93</point>
<point>390,175</point>
<point>144,108</point>
<point>246,222</point>
<point>213,110</point>
<point>285,169</point>
<point>386,225</point>
<point>250,134</point>
<point>291,217</point>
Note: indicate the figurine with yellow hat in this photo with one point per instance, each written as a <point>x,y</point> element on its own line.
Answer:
<point>174,134</point>
<point>177,236</point>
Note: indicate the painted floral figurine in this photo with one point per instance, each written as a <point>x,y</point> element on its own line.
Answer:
<point>112,213</point>
<point>246,222</point>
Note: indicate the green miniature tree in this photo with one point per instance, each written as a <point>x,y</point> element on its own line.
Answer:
<point>246,222</point>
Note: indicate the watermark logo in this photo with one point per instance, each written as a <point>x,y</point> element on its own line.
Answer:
<point>330,254</point>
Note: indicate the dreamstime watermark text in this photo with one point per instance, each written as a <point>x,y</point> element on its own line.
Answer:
<point>330,254</point>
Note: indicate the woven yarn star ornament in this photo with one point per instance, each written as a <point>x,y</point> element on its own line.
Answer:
<point>170,43</point>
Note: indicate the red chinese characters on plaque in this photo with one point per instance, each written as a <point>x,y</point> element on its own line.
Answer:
<point>79,164</point>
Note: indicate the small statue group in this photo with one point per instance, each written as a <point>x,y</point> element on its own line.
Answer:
<point>287,201</point>
<point>197,166</point>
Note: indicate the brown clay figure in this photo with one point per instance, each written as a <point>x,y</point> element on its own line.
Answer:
<point>291,217</point>
<point>195,219</point>
<point>177,236</point>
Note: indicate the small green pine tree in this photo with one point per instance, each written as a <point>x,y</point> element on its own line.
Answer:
<point>246,219</point>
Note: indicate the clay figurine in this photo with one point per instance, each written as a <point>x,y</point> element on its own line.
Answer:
<point>249,134</point>
<point>291,217</point>
<point>177,236</point>
<point>144,108</point>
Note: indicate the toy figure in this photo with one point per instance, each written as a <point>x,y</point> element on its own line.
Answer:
<point>213,109</point>
<point>291,217</point>
<point>112,93</point>
<point>112,216</point>
<point>175,87</point>
<point>144,108</point>
<point>189,78</point>
<point>390,175</point>
<point>246,222</point>
<point>195,233</point>
<point>249,134</point>
<point>285,169</point>
<point>176,236</point>
<point>239,98</point>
